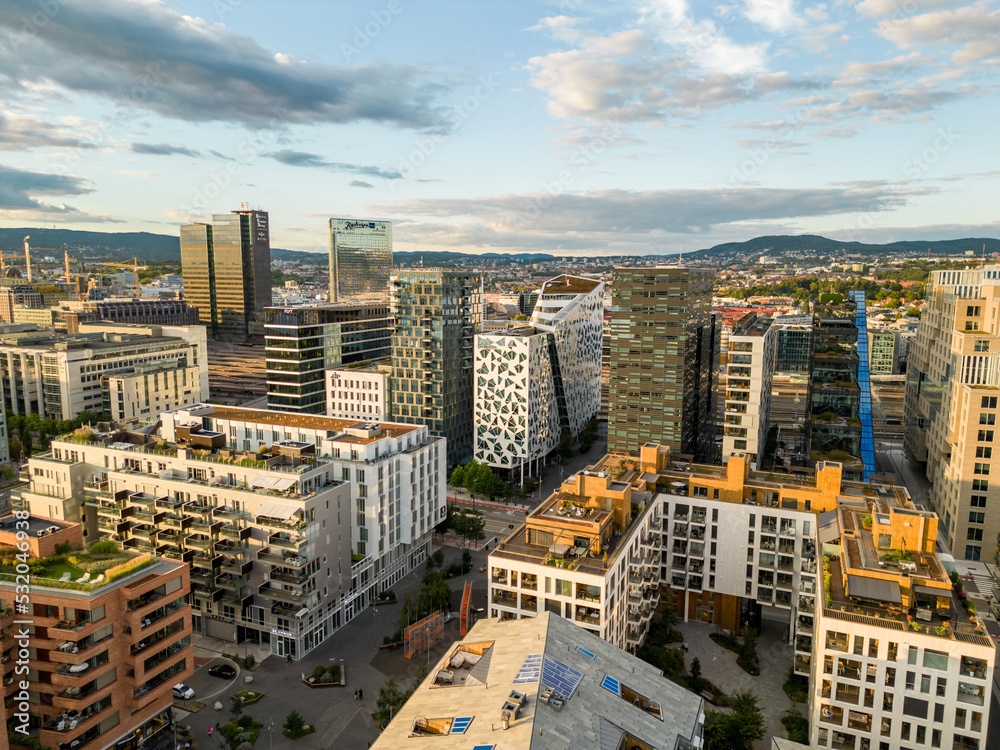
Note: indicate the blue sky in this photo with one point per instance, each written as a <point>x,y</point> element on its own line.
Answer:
<point>570,127</point>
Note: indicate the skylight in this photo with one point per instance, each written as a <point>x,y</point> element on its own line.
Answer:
<point>530,671</point>
<point>559,677</point>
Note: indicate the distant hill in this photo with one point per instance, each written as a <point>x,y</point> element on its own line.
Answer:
<point>778,245</point>
<point>151,247</point>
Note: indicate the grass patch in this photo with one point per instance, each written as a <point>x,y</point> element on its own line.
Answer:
<point>796,687</point>
<point>249,697</point>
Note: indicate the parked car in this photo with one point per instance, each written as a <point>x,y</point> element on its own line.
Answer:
<point>183,692</point>
<point>222,670</point>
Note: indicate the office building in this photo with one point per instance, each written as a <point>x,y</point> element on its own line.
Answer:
<point>790,388</point>
<point>360,258</point>
<point>951,406</point>
<point>883,351</point>
<point>437,315</point>
<point>302,343</point>
<point>227,271</point>
<point>834,428</point>
<point>18,296</point>
<point>236,372</point>
<point>157,312</point>
<point>749,375</point>
<point>106,647</point>
<point>58,376</point>
<point>534,382</point>
<point>898,662</point>
<point>664,347</point>
<point>361,393</point>
<point>144,390</point>
<point>519,684</point>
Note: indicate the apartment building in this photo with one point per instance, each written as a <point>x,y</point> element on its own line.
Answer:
<point>362,393</point>
<point>749,376</point>
<point>105,649</point>
<point>883,350</point>
<point>664,349</point>
<point>437,315</point>
<point>790,386</point>
<point>266,534</point>
<point>149,388</point>
<point>952,376</point>
<point>534,382</point>
<point>395,475</point>
<point>567,559</point>
<point>516,684</point>
<point>898,662</point>
<point>59,376</point>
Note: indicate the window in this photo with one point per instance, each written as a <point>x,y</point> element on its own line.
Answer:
<point>972,310</point>
<point>972,552</point>
<point>982,345</point>
<point>974,535</point>
<point>911,655</point>
<point>979,468</point>
<point>980,485</point>
<point>984,451</point>
<point>987,419</point>
<point>977,517</point>
<point>985,436</point>
<point>978,501</point>
<point>989,402</point>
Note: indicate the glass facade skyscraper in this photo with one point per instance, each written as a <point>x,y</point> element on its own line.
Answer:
<point>226,267</point>
<point>360,258</point>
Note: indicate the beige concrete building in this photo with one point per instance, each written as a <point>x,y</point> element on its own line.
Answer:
<point>147,389</point>
<point>749,375</point>
<point>952,393</point>
<point>362,393</point>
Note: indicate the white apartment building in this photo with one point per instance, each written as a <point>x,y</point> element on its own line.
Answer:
<point>149,389</point>
<point>59,376</point>
<point>898,661</point>
<point>749,376</point>
<point>396,474</point>
<point>263,535</point>
<point>532,382</point>
<point>361,393</point>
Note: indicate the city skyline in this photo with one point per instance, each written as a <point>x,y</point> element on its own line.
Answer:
<point>632,128</point>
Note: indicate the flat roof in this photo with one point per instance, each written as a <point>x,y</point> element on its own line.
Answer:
<point>566,284</point>
<point>530,657</point>
<point>307,421</point>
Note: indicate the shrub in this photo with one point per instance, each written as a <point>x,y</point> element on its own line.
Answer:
<point>294,723</point>
<point>245,721</point>
<point>249,662</point>
<point>106,546</point>
<point>245,746</point>
<point>63,548</point>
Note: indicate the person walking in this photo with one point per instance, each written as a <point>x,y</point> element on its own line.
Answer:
<point>210,732</point>
<point>361,694</point>
<point>355,693</point>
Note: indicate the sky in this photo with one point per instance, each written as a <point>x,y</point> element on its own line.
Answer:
<point>563,126</point>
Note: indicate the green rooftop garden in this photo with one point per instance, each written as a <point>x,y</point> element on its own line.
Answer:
<point>82,570</point>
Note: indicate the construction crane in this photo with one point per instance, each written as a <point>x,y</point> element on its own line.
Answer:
<point>134,265</point>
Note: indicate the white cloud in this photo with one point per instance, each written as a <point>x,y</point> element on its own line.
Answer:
<point>774,15</point>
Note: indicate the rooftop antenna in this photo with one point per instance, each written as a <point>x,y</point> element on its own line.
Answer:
<point>27,256</point>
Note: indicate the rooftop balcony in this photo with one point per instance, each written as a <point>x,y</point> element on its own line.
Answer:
<point>268,591</point>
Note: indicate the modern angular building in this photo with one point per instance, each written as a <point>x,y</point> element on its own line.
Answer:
<point>105,647</point>
<point>664,348</point>
<point>749,375</point>
<point>533,382</point>
<point>227,271</point>
<point>303,343</point>
<point>952,380</point>
<point>437,315</point>
<point>883,351</point>
<point>360,258</point>
<point>790,387</point>
<point>540,682</point>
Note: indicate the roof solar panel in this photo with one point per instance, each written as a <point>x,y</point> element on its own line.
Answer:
<point>530,671</point>
<point>561,678</point>
<point>585,652</point>
<point>460,724</point>
<point>610,683</point>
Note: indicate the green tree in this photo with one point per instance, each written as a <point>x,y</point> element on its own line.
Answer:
<point>294,723</point>
<point>389,702</point>
<point>469,526</point>
<point>235,706</point>
<point>457,477</point>
<point>740,728</point>
<point>913,313</point>
<point>695,669</point>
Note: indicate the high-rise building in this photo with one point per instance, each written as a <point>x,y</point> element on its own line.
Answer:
<point>834,427</point>
<point>533,382</point>
<point>360,258</point>
<point>540,682</point>
<point>883,351</point>
<point>790,387</point>
<point>107,641</point>
<point>437,313</point>
<point>749,374</point>
<point>363,393</point>
<point>227,271</point>
<point>302,343</point>
<point>952,377</point>
<point>663,350</point>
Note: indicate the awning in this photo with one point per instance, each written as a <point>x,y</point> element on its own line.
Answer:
<point>273,483</point>
<point>276,510</point>
<point>928,591</point>
<point>874,589</point>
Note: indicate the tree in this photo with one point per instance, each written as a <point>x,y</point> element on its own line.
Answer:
<point>294,723</point>
<point>740,728</point>
<point>747,655</point>
<point>457,477</point>
<point>913,313</point>
<point>466,561</point>
<point>390,700</point>
<point>695,669</point>
<point>235,706</point>
<point>469,526</point>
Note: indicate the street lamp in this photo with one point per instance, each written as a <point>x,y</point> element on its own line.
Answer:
<point>375,625</point>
